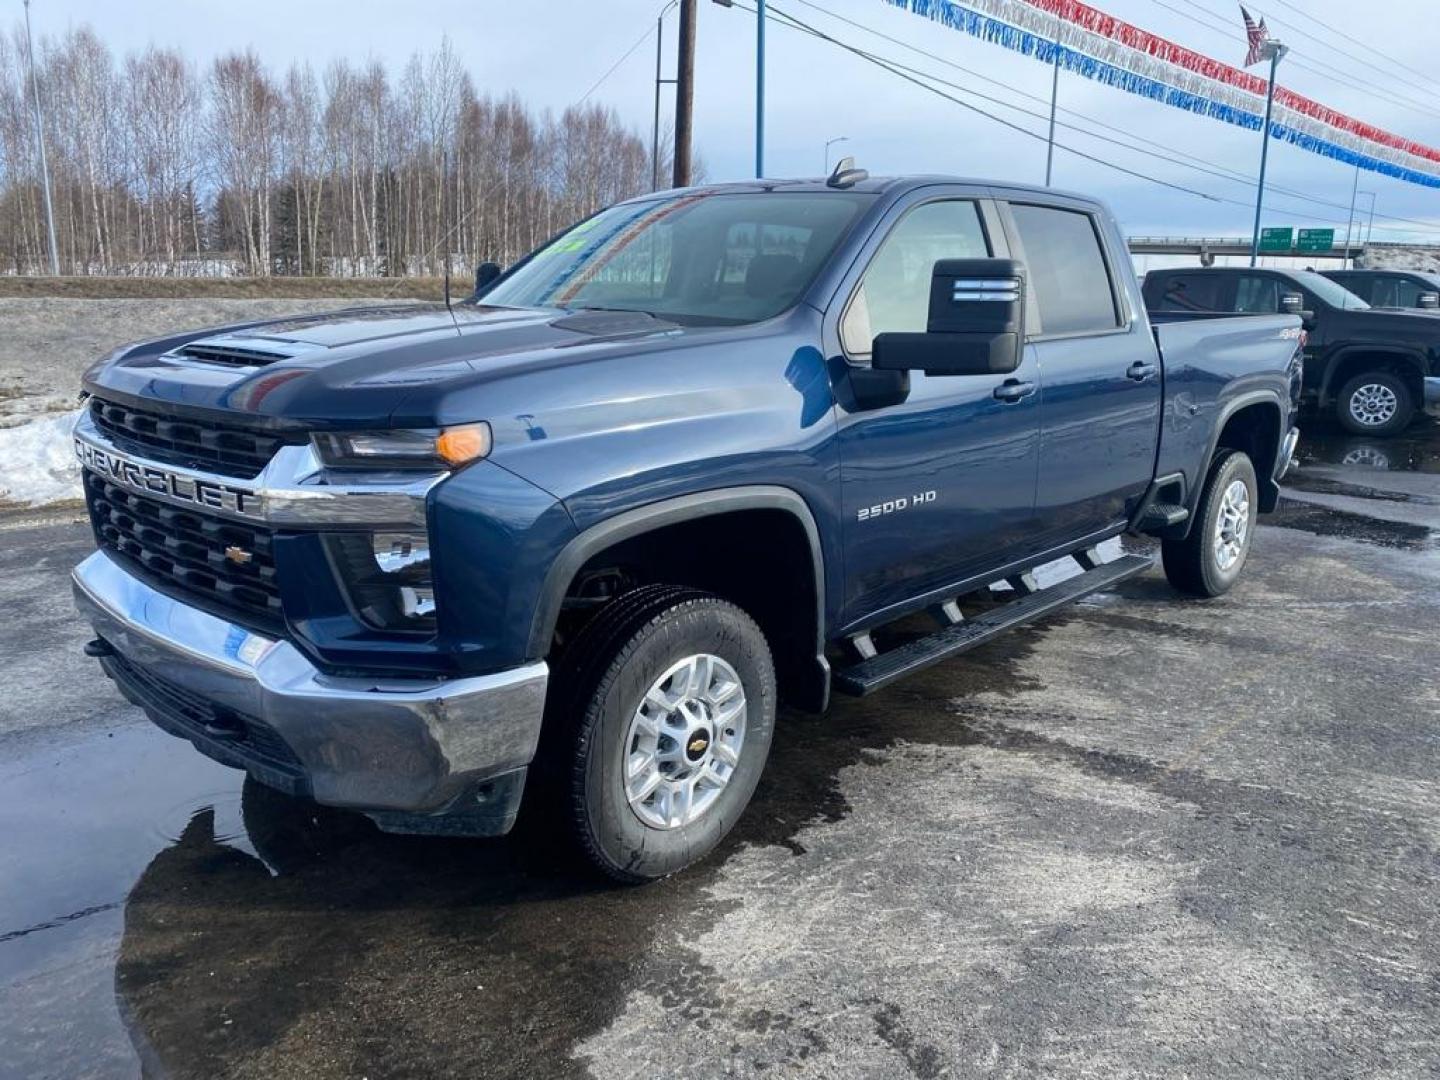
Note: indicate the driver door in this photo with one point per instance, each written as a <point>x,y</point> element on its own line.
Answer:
<point>941,485</point>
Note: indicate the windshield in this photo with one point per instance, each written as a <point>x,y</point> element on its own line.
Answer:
<point>705,258</point>
<point>1330,292</point>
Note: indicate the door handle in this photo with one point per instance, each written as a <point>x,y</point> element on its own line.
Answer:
<point>1014,390</point>
<point>1140,371</point>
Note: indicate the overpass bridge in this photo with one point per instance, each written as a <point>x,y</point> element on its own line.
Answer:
<point>1207,248</point>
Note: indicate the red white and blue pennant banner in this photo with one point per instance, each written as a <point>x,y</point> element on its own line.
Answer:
<point>1097,46</point>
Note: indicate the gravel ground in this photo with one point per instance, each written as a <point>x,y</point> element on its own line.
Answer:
<point>1145,838</point>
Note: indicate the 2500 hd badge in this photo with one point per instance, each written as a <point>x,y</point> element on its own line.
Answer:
<point>894,506</point>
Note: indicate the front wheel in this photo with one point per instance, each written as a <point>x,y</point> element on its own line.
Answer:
<point>1375,403</point>
<point>672,707</point>
<point>1208,561</point>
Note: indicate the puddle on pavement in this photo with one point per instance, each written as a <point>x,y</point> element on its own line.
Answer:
<point>159,913</point>
<point>1417,449</point>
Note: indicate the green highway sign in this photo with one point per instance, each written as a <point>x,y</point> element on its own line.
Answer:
<point>1278,239</point>
<point>1316,240</point>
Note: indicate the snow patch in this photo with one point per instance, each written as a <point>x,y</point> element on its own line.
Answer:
<point>37,461</point>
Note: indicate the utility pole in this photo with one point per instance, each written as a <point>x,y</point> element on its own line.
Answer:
<point>40,146</point>
<point>1276,51</point>
<point>659,82</point>
<point>684,93</point>
<point>1054,101</point>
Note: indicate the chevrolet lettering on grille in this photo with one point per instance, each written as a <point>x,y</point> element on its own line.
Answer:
<point>152,480</point>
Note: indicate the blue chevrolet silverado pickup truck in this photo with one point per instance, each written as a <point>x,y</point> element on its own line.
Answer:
<point>570,542</point>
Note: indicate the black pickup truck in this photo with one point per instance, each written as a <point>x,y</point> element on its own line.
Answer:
<point>572,540</point>
<point>1391,288</point>
<point>1375,368</point>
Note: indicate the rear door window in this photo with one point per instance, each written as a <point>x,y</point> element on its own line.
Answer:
<point>1257,294</point>
<point>1069,277</point>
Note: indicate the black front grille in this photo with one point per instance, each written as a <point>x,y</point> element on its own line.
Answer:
<point>184,551</point>
<point>227,736</point>
<point>229,449</point>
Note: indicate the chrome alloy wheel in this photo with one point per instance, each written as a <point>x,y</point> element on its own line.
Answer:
<point>684,741</point>
<point>1232,526</point>
<point>1373,404</point>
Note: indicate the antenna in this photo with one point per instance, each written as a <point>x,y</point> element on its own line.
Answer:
<point>445,240</point>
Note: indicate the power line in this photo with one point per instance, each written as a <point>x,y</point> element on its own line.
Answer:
<point>1228,32</point>
<point>1368,48</point>
<point>797,24</point>
<point>1193,162</point>
<point>650,29</point>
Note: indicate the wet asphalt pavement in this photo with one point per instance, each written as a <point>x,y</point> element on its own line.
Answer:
<point>1147,837</point>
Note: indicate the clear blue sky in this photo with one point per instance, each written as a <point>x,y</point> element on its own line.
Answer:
<point>552,52</point>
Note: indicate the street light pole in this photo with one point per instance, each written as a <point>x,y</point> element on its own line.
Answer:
<point>759,88</point>
<point>1277,51</point>
<point>829,143</point>
<point>1350,222</point>
<point>659,82</point>
<point>40,146</point>
<point>1369,228</point>
<point>1054,101</point>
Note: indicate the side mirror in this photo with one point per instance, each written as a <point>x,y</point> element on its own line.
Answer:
<point>485,275</point>
<point>976,324</point>
<point>1428,300</point>
<point>1291,303</point>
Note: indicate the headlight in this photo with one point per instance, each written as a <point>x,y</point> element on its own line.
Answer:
<point>442,448</point>
<point>387,578</point>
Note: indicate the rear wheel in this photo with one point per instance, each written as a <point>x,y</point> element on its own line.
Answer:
<point>667,705</point>
<point>1375,403</point>
<point>1208,561</point>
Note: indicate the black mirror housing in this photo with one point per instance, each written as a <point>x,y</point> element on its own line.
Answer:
<point>976,324</point>
<point>486,274</point>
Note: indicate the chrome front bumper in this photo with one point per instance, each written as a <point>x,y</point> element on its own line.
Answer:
<point>413,753</point>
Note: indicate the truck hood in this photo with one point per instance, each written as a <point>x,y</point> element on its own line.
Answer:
<point>376,366</point>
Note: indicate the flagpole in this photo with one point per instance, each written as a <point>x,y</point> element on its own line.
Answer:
<point>1277,50</point>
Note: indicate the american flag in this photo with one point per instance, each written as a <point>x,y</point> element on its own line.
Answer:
<point>1257,36</point>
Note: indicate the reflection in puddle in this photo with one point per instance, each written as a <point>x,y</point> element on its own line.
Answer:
<point>1416,450</point>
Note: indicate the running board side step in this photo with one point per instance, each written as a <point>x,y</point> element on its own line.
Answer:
<point>881,670</point>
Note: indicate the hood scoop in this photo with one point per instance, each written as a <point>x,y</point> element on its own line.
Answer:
<point>229,355</point>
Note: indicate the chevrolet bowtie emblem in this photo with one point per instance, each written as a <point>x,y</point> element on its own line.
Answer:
<point>697,745</point>
<point>238,555</point>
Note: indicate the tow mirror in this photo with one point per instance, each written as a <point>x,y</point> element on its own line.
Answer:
<point>1291,303</point>
<point>1428,300</point>
<point>486,275</point>
<point>976,324</point>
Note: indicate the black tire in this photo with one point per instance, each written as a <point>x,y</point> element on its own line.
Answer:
<point>1360,397</point>
<point>1193,564</point>
<point>598,688</point>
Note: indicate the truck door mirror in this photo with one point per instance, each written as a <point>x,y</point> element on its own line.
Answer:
<point>976,324</point>
<point>486,275</point>
<point>1292,303</point>
<point>1430,301</point>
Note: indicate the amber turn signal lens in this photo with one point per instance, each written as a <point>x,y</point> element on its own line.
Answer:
<point>469,442</point>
